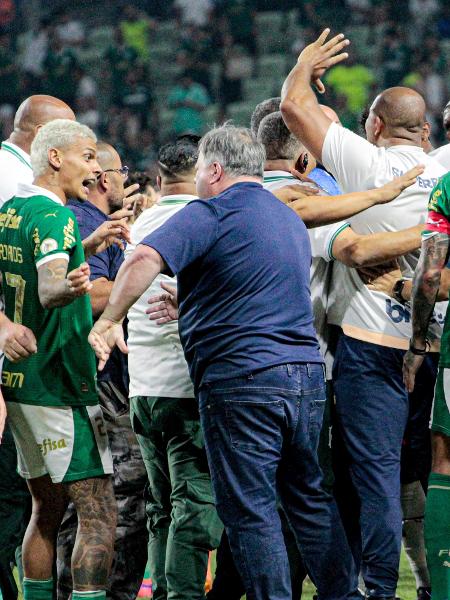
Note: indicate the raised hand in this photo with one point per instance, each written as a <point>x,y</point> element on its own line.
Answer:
<point>108,233</point>
<point>321,55</point>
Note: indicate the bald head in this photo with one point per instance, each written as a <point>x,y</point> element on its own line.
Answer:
<point>107,156</point>
<point>401,108</point>
<point>38,110</point>
<point>34,112</point>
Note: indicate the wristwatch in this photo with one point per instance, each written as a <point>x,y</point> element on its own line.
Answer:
<point>398,289</point>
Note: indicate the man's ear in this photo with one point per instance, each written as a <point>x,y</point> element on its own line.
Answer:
<point>379,126</point>
<point>55,158</point>
<point>216,172</point>
<point>103,180</point>
<point>301,163</point>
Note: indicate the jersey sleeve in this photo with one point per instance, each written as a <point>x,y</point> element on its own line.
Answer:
<point>54,233</point>
<point>438,218</point>
<point>349,158</point>
<point>322,239</point>
<point>186,236</point>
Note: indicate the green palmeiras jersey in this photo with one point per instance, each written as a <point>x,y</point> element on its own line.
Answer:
<point>438,220</point>
<point>35,228</point>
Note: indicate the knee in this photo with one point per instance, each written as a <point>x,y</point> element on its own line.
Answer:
<point>194,515</point>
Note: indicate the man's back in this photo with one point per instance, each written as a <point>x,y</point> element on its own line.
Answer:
<point>359,165</point>
<point>243,262</point>
<point>15,168</point>
<point>36,228</point>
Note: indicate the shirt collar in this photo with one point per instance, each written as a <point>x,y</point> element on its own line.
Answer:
<point>27,190</point>
<point>13,149</point>
<point>277,176</point>
<point>176,199</point>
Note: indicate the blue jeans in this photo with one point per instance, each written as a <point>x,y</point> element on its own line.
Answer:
<point>371,415</point>
<point>261,435</point>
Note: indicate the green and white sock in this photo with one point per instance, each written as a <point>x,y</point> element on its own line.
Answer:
<point>37,589</point>
<point>437,534</point>
<point>90,595</point>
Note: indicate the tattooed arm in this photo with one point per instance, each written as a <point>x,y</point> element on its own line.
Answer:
<point>56,287</point>
<point>426,283</point>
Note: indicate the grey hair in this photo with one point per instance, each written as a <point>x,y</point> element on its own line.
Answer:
<point>263,109</point>
<point>235,148</point>
<point>58,133</point>
<point>276,138</point>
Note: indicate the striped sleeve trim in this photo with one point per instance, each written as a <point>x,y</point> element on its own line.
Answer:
<point>332,239</point>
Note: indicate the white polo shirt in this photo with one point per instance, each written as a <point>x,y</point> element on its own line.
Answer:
<point>358,165</point>
<point>442,155</point>
<point>322,239</point>
<point>156,360</point>
<point>15,168</point>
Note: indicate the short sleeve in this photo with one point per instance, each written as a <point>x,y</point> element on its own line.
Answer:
<point>438,219</point>
<point>349,158</point>
<point>186,236</point>
<point>106,264</point>
<point>54,234</point>
<point>322,239</point>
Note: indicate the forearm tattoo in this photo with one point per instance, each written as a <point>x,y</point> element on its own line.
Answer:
<point>426,281</point>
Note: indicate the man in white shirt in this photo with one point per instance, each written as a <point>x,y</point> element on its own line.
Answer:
<point>371,399</point>
<point>15,165</point>
<point>182,519</point>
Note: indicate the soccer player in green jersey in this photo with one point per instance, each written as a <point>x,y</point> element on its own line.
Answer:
<point>433,259</point>
<point>51,396</point>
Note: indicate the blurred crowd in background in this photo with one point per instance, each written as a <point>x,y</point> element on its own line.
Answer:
<point>139,72</point>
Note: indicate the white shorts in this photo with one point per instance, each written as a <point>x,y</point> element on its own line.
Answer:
<point>68,443</point>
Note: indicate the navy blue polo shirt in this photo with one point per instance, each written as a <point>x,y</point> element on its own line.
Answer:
<point>242,260</point>
<point>104,264</point>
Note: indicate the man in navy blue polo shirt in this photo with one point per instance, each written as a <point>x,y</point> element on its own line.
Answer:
<point>106,196</point>
<point>242,260</point>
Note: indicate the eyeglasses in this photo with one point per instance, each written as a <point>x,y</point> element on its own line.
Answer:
<point>122,171</point>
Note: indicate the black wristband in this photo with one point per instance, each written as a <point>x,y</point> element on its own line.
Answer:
<point>419,351</point>
<point>398,289</point>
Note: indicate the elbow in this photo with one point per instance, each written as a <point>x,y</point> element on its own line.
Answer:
<point>289,109</point>
<point>354,256</point>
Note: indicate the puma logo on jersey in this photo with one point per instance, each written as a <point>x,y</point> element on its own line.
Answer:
<point>50,215</point>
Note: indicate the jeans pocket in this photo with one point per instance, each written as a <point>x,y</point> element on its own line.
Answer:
<point>254,423</point>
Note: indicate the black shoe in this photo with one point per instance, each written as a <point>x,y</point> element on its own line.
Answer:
<point>423,593</point>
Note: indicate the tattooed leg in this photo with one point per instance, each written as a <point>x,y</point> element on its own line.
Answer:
<point>96,509</point>
<point>39,543</point>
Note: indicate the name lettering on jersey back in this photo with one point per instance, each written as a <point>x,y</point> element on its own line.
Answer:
<point>9,220</point>
<point>49,445</point>
<point>11,253</point>
<point>421,181</point>
<point>399,313</point>
<point>13,380</point>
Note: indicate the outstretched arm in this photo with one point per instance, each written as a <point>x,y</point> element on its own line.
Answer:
<point>357,251</point>
<point>426,283</point>
<point>324,210</point>
<point>299,106</point>
<point>134,277</point>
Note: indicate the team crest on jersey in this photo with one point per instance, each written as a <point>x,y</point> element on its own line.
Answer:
<point>48,245</point>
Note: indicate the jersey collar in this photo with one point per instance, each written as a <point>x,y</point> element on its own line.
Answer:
<point>22,156</point>
<point>270,176</point>
<point>176,199</point>
<point>27,190</point>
